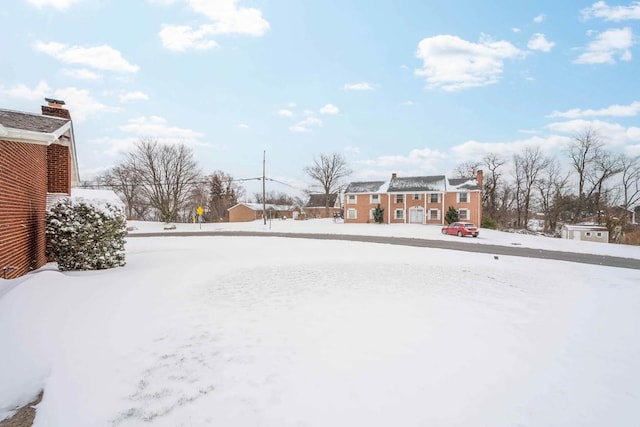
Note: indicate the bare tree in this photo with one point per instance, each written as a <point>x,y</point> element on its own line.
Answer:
<point>123,180</point>
<point>630,181</point>
<point>166,174</point>
<point>328,170</point>
<point>467,169</point>
<point>492,182</point>
<point>528,166</point>
<point>275,198</point>
<point>605,167</point>
<point>551,187</point>
<point>584,150</point>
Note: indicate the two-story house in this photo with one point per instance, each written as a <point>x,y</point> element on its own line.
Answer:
<point>415,200</point>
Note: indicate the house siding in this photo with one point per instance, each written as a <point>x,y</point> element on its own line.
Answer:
<point>474,205</point>
<point>363,206</point>
<point>23,193</point>
<point>243,213</point>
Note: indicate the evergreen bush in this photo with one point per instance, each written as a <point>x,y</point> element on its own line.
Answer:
<point>488,222</point>
<point>452,215</point>
<point>378,214</point>
<point>86,237</point>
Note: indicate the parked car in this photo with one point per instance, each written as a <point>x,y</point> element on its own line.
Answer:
<point>461,229</point>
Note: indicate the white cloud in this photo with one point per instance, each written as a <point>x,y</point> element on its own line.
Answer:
<point>417,162</point>
<point>608,45</point>
<point>285,113</point>
<point>350,149</point>
<point>612,133</point>
<point>102,57</point>
<point>179,38</point>
<point>539,19</point>
<point>306,125</point>
<point>242,126</point>
<point>81,104</point>
<point>133,96</point>
<point>358,86</point>
<point>329,109</point>
<point>291,104</point>
<point>24,92</point>
<point>226,18</point>
<point>615,110</point>
<point>81,74</point>
<point>57,4</point>
<point>157,128</point>
<point>451,63</point>
<point>600,9</point>
<point>516,29</point>
<point>539,42</point>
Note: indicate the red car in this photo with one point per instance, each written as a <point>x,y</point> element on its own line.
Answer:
<point>461,229</point>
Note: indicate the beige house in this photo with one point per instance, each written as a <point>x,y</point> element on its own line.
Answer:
<point>243,212</point>
<point>589,233</point>
<point>415,199</point>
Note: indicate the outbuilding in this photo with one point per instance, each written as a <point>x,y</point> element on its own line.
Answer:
<point>589,233</point>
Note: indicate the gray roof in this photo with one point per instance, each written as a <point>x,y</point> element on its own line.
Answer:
<point>464,184</point>
<point>364,187</point>
<point>417,184</point>
<point>30,122</point>
<point>317,200</point>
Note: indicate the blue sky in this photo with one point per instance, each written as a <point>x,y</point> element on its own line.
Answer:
<point>413,87</point>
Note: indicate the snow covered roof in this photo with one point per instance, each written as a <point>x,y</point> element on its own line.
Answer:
<point>417,183</point>
<point>366,187</point>
<point>584,227</point>
<point>258,207</point>
<point>456,184</point>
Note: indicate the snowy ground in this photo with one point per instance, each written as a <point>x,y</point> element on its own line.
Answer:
<point>247,331</point>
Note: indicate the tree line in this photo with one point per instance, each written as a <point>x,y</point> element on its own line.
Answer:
<point>598,186</point>
<point>160,182</point>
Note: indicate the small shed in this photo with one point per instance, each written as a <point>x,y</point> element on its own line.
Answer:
<point>589,233</point>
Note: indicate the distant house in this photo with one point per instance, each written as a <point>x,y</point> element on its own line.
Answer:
<point>37,166</point>
<point>415,200</point>
<point>315,207</point>
<point>589,233</point>
<point>243,212</point>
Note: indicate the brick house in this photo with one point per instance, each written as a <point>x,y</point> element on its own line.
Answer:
<point>243,212</point>
<point>37,165</point>
<point>315,207</point>
<point>415,200</point>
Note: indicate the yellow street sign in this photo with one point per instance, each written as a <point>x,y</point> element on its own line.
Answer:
<point>199,210</point>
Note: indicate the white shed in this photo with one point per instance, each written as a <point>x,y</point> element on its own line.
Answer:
<point>589,233</point>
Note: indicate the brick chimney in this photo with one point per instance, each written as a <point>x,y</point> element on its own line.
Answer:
<point>55,109</point>
<point>479,177</point>
<point>394,175</point>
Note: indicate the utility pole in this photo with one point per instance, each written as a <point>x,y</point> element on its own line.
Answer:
<point>264,202</point>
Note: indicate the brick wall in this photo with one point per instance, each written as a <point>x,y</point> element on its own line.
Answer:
<point>58,169</point>
<point>23,192</point>
<point>242,213</point>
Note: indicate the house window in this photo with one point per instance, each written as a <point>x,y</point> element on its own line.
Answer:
<point>463,214</point>
<point>599,234</point>
<point>434,214</point>
<point>433,197</point>
<point>399,214</point>
<point>463,197</point>
<point>351,198</point>
<point>375,198</point>
<point>416,196</point>
<point>352,214</point>
<point>587,234</point>
<point>399,198</point>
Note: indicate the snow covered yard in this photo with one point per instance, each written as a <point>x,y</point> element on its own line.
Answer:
<point>247,331</point>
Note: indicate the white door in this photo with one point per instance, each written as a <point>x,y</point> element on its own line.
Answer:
<point>416,216</point>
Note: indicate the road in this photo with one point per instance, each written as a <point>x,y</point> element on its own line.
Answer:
<point>495,250</point>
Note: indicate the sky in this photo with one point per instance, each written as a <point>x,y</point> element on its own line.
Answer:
<point>412,87</point>
<point>268,331</point>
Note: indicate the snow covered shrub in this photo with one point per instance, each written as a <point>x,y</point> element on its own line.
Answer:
<point>82,236</point>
